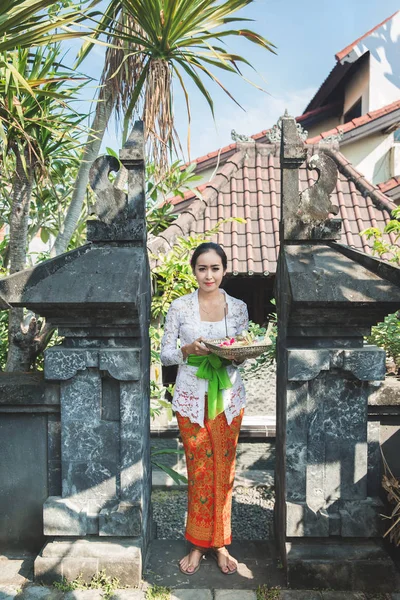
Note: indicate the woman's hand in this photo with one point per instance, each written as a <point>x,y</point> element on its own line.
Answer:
<point>196,347</point>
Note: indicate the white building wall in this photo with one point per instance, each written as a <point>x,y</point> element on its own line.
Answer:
<point>384,48</point>
<point>372,157</point>
<point>358,87</point>
<point>325,125</point>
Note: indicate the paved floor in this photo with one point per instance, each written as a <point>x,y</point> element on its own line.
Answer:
<point>257,565</point>
<point>36,592</point>
<point>258,568</point>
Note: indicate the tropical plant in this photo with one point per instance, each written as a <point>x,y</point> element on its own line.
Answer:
<point>386,335</point>
<point>153,43</point>
<point>36,128</point>
<point>386,242</point>
<point>26,23</point>
<point>386,245</point>
<point>159,211</point>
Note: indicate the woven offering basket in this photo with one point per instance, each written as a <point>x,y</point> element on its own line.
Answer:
<point>235,352</point>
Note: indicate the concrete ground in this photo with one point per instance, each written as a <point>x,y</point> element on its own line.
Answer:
<point>258,568</point>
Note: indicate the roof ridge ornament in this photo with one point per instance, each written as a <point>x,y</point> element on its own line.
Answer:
<point>306,215</point>
<point>240,137</point>
<point>274,135</point>
<point>335,138</point>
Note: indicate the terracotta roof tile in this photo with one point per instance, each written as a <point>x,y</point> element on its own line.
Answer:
<point>227,153</point>
<point>253,192</point>
<point>389,185</point>
<point>367,118</point>
<point>340,55</point>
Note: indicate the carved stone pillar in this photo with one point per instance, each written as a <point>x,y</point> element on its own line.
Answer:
<point>98,297</point>
<point>328,297</point>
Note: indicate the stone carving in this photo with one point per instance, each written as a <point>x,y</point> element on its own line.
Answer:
<point>306,215</point>
<point>110,201</point>
<point>333,139</point>
<point>315,204</point>
<point>274,135</point>
<point>240,137</point>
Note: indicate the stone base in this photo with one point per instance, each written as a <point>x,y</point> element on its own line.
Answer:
<point>76,516</point>
<point>340,565</point>
<point>70,557</point>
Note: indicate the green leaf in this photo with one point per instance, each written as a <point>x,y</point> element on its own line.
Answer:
<point>177,477</point>
<point>44,235</point>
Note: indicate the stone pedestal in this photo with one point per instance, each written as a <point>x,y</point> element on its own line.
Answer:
<point>72,557</point>
<point>327,525</point>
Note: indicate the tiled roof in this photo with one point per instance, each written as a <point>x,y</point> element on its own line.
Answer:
<point>340,55</point>
<point>212,158</point>
<point>390,184</point>
<point>358,122</point>
<point>248,186</point>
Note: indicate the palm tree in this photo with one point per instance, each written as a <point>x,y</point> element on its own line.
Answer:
<point>155,42</point>
<point>35,127</point>
<point>25,23</point>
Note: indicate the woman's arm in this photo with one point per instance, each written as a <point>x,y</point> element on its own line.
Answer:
<point>170,354</point>
<point>243,319</point>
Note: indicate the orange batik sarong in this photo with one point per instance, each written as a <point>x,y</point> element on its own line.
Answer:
<point>210,458</point>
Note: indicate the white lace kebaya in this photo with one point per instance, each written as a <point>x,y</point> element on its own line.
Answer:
<point>183,323</point>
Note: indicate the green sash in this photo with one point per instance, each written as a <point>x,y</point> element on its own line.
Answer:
<point>213,368</point>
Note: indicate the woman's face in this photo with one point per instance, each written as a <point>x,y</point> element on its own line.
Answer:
<point>209,271</point>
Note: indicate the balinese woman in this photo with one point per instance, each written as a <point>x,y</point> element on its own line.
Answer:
<point>209,400</point>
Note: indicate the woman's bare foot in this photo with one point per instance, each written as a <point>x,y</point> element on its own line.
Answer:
<point>226,562</point>
<point>190,563</point>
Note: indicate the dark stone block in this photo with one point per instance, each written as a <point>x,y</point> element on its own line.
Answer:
<point>85,441</point>
<point>122,364</point>
<point>47,570</point>
<point>81,397</point>
<point>54,437</point>
<point>117,231</point>
<point>86,567</point>
<point>54,478</point>
<point>340,566</point>
<point>63,363</point>
<point>95,479</point>
<point>23,481</point>
<point>122,520</point>
<point>374,476</point>
<point>109,399</point>
<point>63,517</point>
<point>22,389</point>
<point>319,575</point>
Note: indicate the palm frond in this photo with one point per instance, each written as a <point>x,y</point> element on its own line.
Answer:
<point>25,23</point>
<point>151,42</point>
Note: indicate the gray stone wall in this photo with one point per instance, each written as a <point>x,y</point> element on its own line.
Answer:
<point>29,459</point>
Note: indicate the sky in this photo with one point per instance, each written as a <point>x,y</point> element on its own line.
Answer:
<point>307,35</point>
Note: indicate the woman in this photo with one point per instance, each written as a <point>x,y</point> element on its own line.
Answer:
<point>209,400</point>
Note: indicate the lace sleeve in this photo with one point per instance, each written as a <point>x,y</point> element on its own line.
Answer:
<point>243,318</point>
<point>170,354</point>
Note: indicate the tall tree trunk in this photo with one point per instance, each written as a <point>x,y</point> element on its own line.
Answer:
<point>104,108</point>
<point>18,358</point>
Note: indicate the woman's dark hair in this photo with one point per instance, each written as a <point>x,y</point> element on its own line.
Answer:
<point>206,247</point>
